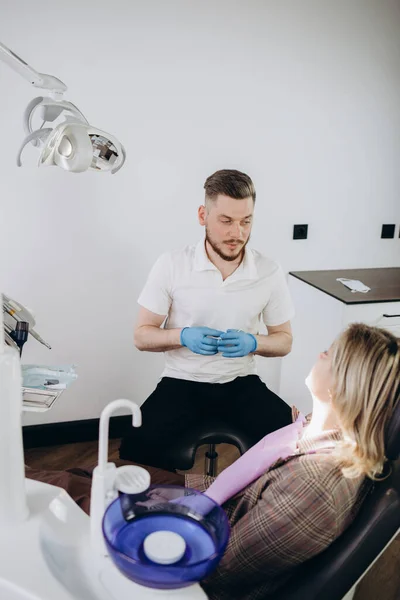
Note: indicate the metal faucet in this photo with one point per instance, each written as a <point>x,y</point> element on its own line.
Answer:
<point>103,490</point>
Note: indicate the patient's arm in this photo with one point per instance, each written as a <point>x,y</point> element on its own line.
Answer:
<point>151,337</point>
<point>198,482</point>
<point>294,519</point>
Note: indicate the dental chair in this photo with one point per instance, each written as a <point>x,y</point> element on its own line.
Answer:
<point>332,574</point>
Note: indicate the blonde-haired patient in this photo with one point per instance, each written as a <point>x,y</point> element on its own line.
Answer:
<point>301,504</point>
<point>355,386</point>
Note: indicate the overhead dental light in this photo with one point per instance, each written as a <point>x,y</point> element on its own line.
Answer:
<point>72,144</point>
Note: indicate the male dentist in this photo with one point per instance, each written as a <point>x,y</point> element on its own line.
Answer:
<point>203,307</point>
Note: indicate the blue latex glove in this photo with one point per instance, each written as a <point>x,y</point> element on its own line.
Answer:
<point>197,340</point>
<point>235,343</point>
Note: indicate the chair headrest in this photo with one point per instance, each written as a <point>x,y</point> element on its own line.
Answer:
<point>393,435</point>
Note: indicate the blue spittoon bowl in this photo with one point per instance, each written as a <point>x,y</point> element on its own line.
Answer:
<point>199,521</point>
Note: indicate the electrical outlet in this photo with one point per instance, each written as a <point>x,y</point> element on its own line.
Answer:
<point>387,231</point>
<point>300,232</point>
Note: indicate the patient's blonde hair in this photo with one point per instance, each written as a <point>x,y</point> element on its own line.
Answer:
<point>366,388</point>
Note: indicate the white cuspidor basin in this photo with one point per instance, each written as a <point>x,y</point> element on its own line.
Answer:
<point>164,547</point>
<point>49,557</point>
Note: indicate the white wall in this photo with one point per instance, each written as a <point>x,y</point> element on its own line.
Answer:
<point>304,96</point>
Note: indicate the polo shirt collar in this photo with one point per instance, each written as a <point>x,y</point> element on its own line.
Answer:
<point>201,260</point>
<point>246,270</point>
<point>249,268</point>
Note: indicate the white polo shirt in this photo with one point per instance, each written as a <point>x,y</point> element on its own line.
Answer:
<point>185,286</point>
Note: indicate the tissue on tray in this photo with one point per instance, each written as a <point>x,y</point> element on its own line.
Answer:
<point>43,377</point>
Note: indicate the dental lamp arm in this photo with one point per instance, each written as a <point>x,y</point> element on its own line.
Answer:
<point>73,144</point>
<point>39,80</point>
<point>35,136</point>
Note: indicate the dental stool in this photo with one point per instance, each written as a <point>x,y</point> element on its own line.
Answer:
<point>333,573</point>
<point>211,433</point>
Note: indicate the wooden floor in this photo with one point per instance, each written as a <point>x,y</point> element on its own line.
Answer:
<point>84,454</point>
<point>382,582</point>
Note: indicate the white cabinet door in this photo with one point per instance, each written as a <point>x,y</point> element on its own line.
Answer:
<point>316,323</point>
<point>391,322</point>
<point>379,314</point>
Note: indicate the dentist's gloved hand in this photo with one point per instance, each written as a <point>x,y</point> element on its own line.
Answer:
<point>197,340</point>
<point>235,343</point>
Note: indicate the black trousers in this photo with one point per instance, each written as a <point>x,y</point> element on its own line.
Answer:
<point>177,405</point>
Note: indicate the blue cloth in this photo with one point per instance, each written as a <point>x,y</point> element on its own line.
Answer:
<point>43,377</point>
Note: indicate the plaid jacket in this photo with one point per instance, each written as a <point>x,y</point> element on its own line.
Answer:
<point>291,513</point>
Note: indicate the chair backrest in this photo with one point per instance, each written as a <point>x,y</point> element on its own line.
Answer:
<point>392,446</point>
<point>331,574</point>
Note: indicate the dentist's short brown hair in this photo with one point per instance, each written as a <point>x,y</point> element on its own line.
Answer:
<point>229,182</point>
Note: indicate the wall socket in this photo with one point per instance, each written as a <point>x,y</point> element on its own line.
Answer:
<point>300,232</point>
<point>387,231</point>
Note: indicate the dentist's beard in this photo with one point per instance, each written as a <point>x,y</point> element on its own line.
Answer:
<point>218,248</point>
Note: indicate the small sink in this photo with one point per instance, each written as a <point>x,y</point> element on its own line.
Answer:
<point>65,543</point>
<point>54,548</point>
